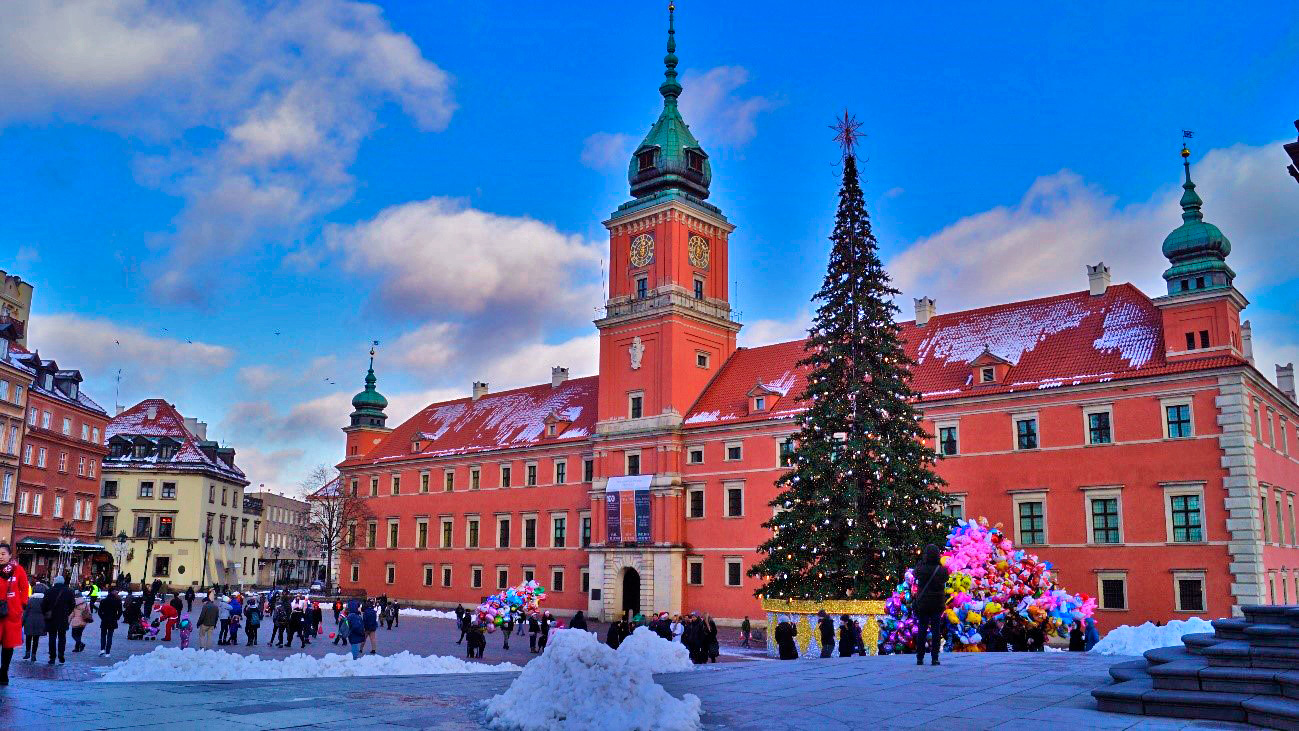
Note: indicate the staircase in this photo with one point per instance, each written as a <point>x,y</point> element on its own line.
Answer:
<point>1247,671</point>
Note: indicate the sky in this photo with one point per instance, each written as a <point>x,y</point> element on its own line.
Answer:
<point>222,204</point>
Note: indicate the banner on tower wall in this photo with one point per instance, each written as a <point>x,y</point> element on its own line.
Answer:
<point>627,509</point>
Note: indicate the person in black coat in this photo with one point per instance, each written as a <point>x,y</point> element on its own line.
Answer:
<point>613,638</point>
<point>1076,641</point>
<point>189,599</point>
<point>110,610</point>
<point>993,639</point>
<point>825,626</point>
<point>579,621</point>
<point>847,636</point>
<point>543,631</point>
<point>785,634</point>
<point>695,639</point>
<point>57,607</point>
<point>1037,637</point>
<point>929,604</point>
<point>461,622</point>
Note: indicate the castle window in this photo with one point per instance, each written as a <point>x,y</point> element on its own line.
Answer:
<point>699,289</point>
<point>701,359</point>
<point>642,287</point>
<point>1190,341</point>
<point>635,405</point>
<point>947,441</point>
<point>695,161</point>
<point>1199,282</point>
<point>645,160</point>
<point>1204,338</point>
<point>1026,433</point>
<point>987,374</point>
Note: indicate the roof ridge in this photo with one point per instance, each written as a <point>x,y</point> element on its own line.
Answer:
<point>517,389</point>
<point>1021,303</point>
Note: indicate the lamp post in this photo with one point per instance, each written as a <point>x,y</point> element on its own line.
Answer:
<point>119,546</point>
<point>67,537</point>
<point>148,554</point>
<point>207,543</point>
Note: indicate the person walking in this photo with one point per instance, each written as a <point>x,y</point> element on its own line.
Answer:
<point>297,615</point>
<point>847,636</point>
<point>678,629</point>
<point>33,622</point>
<point>13,594</point>
<point>370,621</point>
<point>57,606</point>
<point>110,610</point>
<point>746,632</point>
<point>340,629</point>
<point>252,620</point>
<point>533,628</point>
<point>461,623</point>
<point>280,623</point>
<point>507,628</point>
<point>355,628</point>
<point>785,634</point>
<point>189,599</point>
<point>1090,635</point>
<point>169,614</point>
<point>543,632</point>
<point>929,603</point>
<point>78,620</point>
<point>396,614</point>
<point>825,626</point>
<point>208,619</point>
<point>711,648</point>
<point>316,618</point>
<point>223,616</point>
<point>579,621</point>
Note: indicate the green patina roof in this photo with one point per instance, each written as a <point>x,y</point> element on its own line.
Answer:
<point>1196,248</point>
<point>370,400</point>
<point>670,140</point>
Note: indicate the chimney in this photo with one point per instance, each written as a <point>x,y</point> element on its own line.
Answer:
<point>1098,278</point>
<point>558,374</point>
<point>924,310</point>
<point>480,389</point>
<point>1247,341</point>
<point>151,413</point>
<point>120,409</point>
<point>1285,379</point>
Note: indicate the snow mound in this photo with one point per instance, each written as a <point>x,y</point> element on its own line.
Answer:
<point>656,654</point>
<point>173,663</point>
<point>430,613</point>
<point>580,684</point>
<point>1129,640</point>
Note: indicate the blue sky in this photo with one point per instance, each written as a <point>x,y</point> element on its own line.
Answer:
<point>227,203</point>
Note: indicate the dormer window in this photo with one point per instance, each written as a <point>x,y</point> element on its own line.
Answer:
<point>695,161</point>
<point>761,398</point>
<point>550,430</point>
<point>645,160</point>
<point>988,368</point>
<point>987,374</point>
<point>759,403</point>
<point>48,382</point>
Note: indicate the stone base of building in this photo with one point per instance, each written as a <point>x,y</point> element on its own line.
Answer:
<point>802,614</point>
<point>639,580</point>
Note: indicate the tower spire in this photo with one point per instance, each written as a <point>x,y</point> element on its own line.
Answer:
<point>670,88</point>
<point>1197,250</point>
<point>1191,201</point>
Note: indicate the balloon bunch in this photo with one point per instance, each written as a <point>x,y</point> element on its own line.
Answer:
<point>988,579</point>
<point>517,602</point>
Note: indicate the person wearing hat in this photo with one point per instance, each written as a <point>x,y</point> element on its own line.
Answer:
<point>57,608</point>
<point>207,622</point>
<point>825,626</point>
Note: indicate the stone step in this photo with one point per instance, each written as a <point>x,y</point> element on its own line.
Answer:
<point>1236,653</point>
<point>1125,697</point>
<point>1251,681</point>
<point>1230,629</point>
<point>1179,675</point>
<point>1195,643</point>
<point>1141,698</point>
<point>1282,713</point>
<point>1161,655</point>
<point>1272,635</point>
<point>1289,681</point>
<point>1130,670</point>
<point>1271,614</point>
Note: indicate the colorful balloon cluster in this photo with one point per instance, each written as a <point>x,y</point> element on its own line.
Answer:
<point>516,602</point>
<point>988,579</point>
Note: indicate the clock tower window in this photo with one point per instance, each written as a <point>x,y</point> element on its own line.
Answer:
<point>699,288</point>
<point>635,405</point>
<point>642,287</point>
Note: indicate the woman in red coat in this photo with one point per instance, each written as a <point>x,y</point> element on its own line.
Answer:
<point>14,590</point>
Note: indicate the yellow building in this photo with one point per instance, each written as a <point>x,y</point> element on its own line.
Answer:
<point>15,307</point>
<point>172,505</point>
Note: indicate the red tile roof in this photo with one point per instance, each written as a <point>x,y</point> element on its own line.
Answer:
<point>1064,340</point>
<point>509,419</point>
<point>165,422</point>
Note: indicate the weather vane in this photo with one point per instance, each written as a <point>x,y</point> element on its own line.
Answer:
<point>373,345</point>
<point>1186,135</point>
<point>846,133</point>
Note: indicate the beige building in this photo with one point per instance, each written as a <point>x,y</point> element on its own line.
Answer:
<point>179,500</point>
<point>288,555</point>
<point>15,309</point>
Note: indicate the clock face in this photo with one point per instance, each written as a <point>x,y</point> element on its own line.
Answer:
<point>698,250</point>
<point>642,250</point>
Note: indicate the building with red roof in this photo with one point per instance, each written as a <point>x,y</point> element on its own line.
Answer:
<point>1129,439</point>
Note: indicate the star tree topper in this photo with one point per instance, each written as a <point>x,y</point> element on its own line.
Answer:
<point>846,133</point>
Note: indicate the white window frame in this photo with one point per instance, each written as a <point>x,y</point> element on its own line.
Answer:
<point>1087,412</point>
<point>1202,577</point>
<point>703,359</point>
<point>390,573</point>
<point>559,516</point>
<point>958,498</point>
<point>388,539</point>
<point>703,502</point>
<point>557,571</point>
<point>58,507</point>
<point>584,579</point>
<point>475,477</point>
<point>631,395</point>
<point>356,573</point>
<point>939,426</point>
<point>502,576</point>
<point>444,534</point>
<point>446,575</point>
<point>695,561</point>
<point>691,451</point>
<point>1105,492</point>
<point>727,486</point>
<point>987,374</point>
<point>449,479</point>
<point>1186,401</point>
<point>529,573</point>
<point>733,561</point>
<point>1017,417</point>
<point>427,574</point>
<point>476,576</point>
<point>1031,496</point>
<point>1101,577</point>
<point>1177,489</point>
<point>497,538</point>
<point>470,521</point>
<point>627,454</point>
<point>531,473</point>
<point>523,531</point>
<point>726,453</point>
<point>555,469</point>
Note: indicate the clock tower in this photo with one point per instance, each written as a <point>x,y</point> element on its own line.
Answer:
<point>667,327</point>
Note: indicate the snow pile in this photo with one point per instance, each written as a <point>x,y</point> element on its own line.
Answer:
<point>429,613</point>
<point>579,684</point>
<point>1129,640</point>
<point>654,653</point>
<point>173,663</point>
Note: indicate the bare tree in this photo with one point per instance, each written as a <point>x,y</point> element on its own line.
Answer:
<point>332,516</point>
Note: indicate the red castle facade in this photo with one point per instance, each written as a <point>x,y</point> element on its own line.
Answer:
<point>1128,439</point>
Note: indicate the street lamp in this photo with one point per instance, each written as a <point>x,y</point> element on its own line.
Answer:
<point>67,537</point>
<point>207,543</point>
<point>119,546</point>
<point>148,554</point>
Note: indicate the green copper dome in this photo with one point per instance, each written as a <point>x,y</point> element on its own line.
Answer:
<point>369,404</point>
<point>669,157</point>
<point>1197,249</point>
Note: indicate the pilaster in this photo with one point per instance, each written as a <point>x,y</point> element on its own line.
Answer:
<point>1244,519</point>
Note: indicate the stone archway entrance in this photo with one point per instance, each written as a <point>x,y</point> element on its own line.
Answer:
<point>630,591</point>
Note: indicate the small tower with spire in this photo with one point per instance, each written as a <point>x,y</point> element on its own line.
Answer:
<point>1202,308</point>
<point>368,423</point>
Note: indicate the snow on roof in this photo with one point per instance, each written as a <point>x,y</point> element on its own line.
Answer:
<point>508,419</point>
<point>1067,339</point>
<point>156,418</point>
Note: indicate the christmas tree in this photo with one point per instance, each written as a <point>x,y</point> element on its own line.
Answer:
<point>861,499</point>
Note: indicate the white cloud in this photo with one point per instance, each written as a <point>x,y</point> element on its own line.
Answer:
<point>769,331</point>
<point>607,150</point>
<point>530,365</point>
<point>438,257</point>
<point>277,469</point>
<point>280,97</point>
<point>719,115</point>
<point>99,348</point>
<point>430,346</point>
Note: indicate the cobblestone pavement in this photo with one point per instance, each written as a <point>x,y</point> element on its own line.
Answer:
<point>969,691</point>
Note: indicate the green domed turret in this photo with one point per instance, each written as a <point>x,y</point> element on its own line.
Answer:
<point>368,405</point>
<point>1197,250</point>
<point>669,157</point>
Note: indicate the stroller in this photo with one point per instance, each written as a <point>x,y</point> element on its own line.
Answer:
<point>149,629</point>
